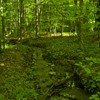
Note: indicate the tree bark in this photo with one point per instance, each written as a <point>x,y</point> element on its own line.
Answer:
<point>3,25</point>
<point>55,30</point>
<point>3,32</point>
<point>97,21</point>
<point>20,19</point>
<point>76,21</point>
<point>80,21</point>
<point>0,35</point>
<point>37,14</point>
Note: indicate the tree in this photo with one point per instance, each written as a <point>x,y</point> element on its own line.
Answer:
<point>97,20</point>
<point>37,14</point>
<point>0,26</point>
<point>21,17</point>
<point>46,16</point>
<point>3,14</point>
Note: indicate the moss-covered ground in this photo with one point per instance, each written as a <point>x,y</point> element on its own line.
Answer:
<point>53,68</point>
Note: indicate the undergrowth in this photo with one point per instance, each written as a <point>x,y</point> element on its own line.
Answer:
<point>25,75</point>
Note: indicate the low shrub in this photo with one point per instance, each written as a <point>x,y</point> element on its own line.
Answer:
<point>89,71</point>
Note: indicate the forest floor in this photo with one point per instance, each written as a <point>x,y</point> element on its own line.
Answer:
<point>56,68</point>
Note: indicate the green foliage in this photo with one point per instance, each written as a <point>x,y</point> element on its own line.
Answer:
<point>89,72</point>
<point>51,14</point>
<point>29,81</point>
<point>36,81</point>
<point>64,49</point>
<point>27,76</point>
<point>16,84</point>
<point>18,78</point>
<point>95,96</point>
<point>27,53</point>
<point>87,68</point>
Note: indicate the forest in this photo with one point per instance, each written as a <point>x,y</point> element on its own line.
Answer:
<point>49,49</point>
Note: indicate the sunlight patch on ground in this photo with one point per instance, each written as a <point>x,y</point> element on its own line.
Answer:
<point>7,46</point>
<point>66,34</point>
<point>58,34</point>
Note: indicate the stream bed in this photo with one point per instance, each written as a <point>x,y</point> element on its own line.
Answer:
<point>53,85</point>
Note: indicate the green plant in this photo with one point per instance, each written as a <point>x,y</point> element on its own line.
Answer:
<point>88,70</point>
<point>17,85</point>
<point>95,96</point>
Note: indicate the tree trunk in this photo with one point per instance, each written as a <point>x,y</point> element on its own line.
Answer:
<point>55,30</point>
<point>20,19</point>
<point>37,14</point>
<point>97,20</point>
<point>3,26</point>
<point>3,32</point>
<point>79,22</point>
<point>62,28</point>
<point>50,28</point>
<point>0,31</point>
<point>76,21</point>
<point>62,21</point>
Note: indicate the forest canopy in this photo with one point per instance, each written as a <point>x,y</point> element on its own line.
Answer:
<point>29,18</point>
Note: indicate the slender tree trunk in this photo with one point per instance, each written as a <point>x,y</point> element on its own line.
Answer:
<point>50,28</point>
<point>3,25</point>
<point>55,30</point>
<point>37,11</point>
<point>0,29</point>
<point>18,19</point>
<point>76,21</point>
<point>62,30</point>
<point>21,19</point>
<point>81,30</point>
<point>97,20</point>
<point>81,18</point>
<point>62,23</point>
<point>0,44</point>
<point>80,22</point>
<point>3,32</point>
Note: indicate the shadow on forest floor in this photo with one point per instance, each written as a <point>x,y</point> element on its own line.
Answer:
<point>45,67</point>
